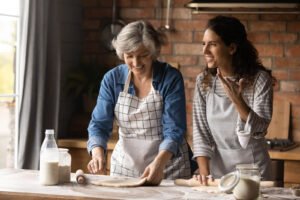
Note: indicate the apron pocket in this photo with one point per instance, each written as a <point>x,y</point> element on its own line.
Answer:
<point>138,154</point>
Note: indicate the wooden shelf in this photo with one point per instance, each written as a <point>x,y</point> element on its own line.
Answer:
<point>293,154</point>
<point>81,143</point>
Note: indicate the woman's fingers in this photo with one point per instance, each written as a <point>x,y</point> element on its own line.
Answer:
<point>226,82</point>
<point>230,84</point>
<point>233,89</point>
<point>90,166</point>
<point>93,166</point>
<point>242,84</point>
<point>154,176</point>
<point>96,165</point>
<point>146,173</point>
<point>203,179</point>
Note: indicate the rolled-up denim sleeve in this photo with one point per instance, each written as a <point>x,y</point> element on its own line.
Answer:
<point>101,124</point>
<point>174,112</point>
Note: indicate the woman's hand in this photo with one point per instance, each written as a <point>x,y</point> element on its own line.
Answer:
<point>234,92</point>
<point>204,179</point>
<point>97,164</point>
<point>155,170</point>
<point>154,173</point>
<point>232,88</point>
<point>204,172</point>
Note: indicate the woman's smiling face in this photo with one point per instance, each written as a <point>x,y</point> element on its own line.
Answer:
<point>216,53</point>
<point>139,61</point>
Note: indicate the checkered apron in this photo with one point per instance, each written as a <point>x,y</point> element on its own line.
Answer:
<point>140,134</point>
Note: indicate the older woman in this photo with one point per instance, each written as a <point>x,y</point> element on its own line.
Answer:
<point>232,105</point>
<point>146,98</point>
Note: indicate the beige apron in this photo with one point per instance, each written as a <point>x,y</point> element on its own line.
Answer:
<point>140,134</point>
<point>222,120</point>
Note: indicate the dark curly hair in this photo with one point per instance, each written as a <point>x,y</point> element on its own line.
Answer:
<point>246,62</point>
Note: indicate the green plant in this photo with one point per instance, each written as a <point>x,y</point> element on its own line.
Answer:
<point>85,80</point>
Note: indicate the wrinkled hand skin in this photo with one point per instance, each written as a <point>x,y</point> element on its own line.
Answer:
<point>154,174</point>
<point>98,163</point>
<point>155,170</point>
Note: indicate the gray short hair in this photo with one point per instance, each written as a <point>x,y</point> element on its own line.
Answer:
<point>138,33</point>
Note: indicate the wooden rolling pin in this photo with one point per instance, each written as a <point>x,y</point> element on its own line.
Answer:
<point>80,177</point>
<point>193,183</point>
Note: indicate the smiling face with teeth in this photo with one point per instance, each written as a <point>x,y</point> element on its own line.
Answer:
<point>217,53</point>
<point>139,61</point>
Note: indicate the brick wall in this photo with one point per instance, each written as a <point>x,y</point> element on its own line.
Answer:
<point>275,36</point>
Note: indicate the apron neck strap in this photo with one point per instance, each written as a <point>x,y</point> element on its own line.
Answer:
<point>214,84</point>
<point>127,82</point>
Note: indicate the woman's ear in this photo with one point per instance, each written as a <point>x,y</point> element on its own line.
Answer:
<point>232,48</point>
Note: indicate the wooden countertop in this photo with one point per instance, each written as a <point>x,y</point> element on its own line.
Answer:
<point>23,184</point>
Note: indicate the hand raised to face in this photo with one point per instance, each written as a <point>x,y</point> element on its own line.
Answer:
<point>232,88</point>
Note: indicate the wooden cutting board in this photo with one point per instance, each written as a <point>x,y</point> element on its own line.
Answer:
<point>279,126</point>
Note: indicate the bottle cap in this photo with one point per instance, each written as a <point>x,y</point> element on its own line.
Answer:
<point>63,149</point>
<point>229,181</point>
<point>49,131</point>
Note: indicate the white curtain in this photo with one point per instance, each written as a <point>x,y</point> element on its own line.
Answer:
<point>39,60</point>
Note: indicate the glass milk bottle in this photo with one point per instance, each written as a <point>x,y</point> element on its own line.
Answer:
<point>49,159</point>
<point>64,166</point>
<point>249,182</point>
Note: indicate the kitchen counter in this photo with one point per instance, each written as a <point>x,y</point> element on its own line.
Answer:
<point>24,184</point>
<point>80,158</point>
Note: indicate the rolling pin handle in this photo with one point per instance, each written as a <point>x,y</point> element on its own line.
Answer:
<point>80,177</point>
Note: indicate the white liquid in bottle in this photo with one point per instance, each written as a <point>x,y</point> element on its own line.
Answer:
<point>49,159</point>
<point>49,173</point>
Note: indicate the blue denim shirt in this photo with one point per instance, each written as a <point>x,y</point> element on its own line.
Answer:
<point>167,80</point>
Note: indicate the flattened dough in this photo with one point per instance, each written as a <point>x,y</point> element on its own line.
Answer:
<point>208,189</point>
<point>120,182</point>
<point>193,182</point>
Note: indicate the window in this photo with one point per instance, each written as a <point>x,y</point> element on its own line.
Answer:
<point>9,16</point>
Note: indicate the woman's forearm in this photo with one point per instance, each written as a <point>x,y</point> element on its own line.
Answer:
<point>242,108</point>
<point>203,165</point>
<point>163,157</point>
